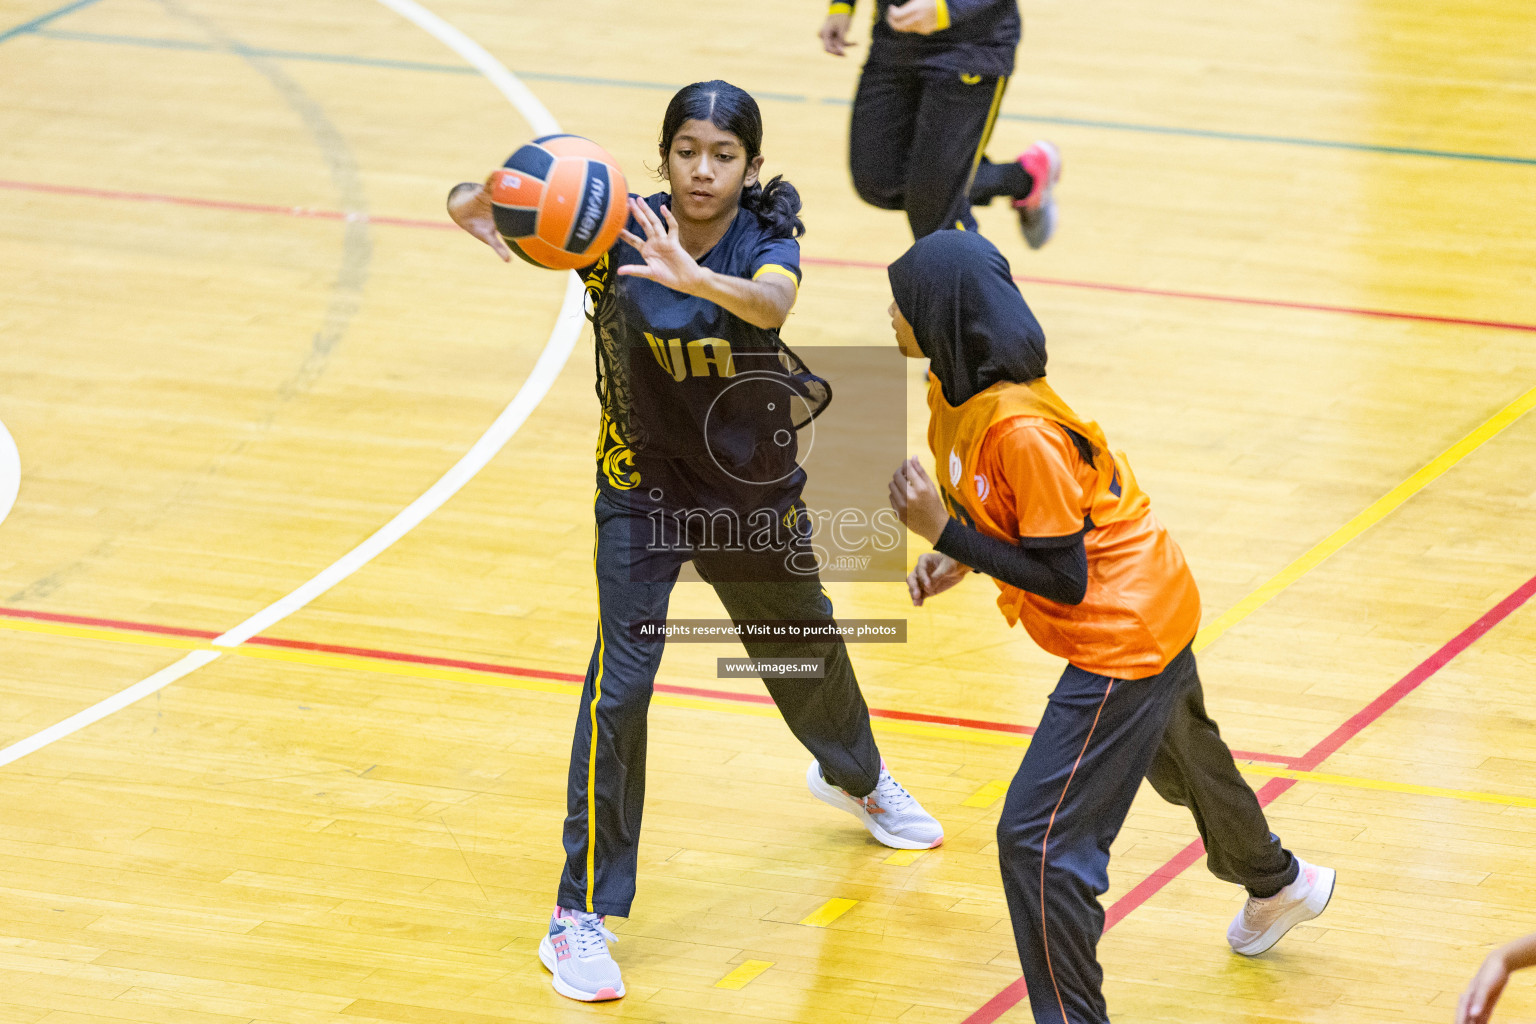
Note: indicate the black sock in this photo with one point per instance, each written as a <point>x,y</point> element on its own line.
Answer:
<point>993,180</point>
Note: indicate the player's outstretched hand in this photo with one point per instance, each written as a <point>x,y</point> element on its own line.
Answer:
<point>470,207</point>
<point>1476,1004</point>
<point>834,34</point>
<point>917,16</point>
<point>934,574</point>
<point>917,502</point>
<point>666,261</point>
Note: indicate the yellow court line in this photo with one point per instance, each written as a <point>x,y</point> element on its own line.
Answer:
<point>111,635</point>
<point>987,795</point>
<point>903,858</point>
<point>1378,511</point>
<point>385,666</point>
<point>744,973</point>
<point>983,797</point>
<point>932,731</point>
<point>1389,787</point>
<point>828,912</point>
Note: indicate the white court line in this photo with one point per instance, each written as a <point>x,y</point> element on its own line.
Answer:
<point>10,472</point>
<point>556,351</point>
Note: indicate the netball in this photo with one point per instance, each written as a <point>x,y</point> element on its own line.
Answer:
<point>559,201</point>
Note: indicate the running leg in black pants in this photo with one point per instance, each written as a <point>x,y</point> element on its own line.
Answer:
<point>1096,741</point>
<point>916,138</point>
<point>1194,768</point>
<point>827,715</point>
<point>606,784</point>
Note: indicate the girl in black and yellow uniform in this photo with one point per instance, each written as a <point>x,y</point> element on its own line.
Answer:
<point>698,436</point>
<point>928,97</point>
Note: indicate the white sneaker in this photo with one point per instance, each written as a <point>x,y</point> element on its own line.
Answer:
<point>891,814</point>
<point>576,953</point>
<point>1262,922</point>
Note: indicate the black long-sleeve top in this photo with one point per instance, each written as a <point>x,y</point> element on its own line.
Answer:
<point>1058,572</point>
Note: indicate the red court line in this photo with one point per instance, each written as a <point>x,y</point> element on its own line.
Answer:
<point>537,673</point>
<point>1057,282</point>
<point>1009,997</point>
<point>1169,293</point>
<point>222,204</point>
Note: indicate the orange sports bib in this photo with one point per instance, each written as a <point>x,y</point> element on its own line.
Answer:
<point>1007,468</point>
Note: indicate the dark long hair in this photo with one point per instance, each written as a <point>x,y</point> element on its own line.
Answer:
<point>734,110</point>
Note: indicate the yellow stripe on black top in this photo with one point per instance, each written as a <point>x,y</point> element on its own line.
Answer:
<point>840,7</point>
<point>941,10</point>
<point>774,268</point>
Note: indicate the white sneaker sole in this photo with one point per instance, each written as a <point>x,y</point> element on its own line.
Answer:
<point>829,794</point>
<point>602,995</point>
<point>1315,903</point>
<point>1039,229</point>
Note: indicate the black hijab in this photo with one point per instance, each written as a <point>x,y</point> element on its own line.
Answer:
<point>956,291</point>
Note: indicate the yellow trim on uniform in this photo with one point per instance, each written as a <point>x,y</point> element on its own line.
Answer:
<point>941,11</point>
<point>986,137</point>
<point>597,694</point>
<point>774,268</point>
<point>841,8</point>
<point>986,133</point>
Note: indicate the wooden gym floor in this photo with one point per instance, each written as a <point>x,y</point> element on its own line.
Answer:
<point>1293,280</point>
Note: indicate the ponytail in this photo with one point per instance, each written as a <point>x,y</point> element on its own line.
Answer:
<point>776,205</point>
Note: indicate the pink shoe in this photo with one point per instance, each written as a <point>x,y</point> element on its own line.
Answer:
<point>1037,211</point>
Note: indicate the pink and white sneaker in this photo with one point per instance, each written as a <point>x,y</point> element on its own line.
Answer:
<point>1263,922</point>
<point>1037,211</point>
<point>891,814</point>
<point>576,953</point>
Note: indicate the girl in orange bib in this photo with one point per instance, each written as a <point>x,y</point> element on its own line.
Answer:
<point>1030,494</point>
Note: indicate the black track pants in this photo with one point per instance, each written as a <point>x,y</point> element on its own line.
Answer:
<point>916,138</point>
<point>1097,739</point>
<point>606,790</point>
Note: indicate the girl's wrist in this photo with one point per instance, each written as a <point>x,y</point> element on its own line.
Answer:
<point>702,284</point>
<point>938,530</point>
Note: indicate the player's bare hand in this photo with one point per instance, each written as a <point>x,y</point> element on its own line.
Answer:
<point>917,502</point>
<point>666,261</point>
<point>934,574</point>
<point>917,16</point>
<point>834,34</point>
<point>1476,1004</point>
<point>470,207</point>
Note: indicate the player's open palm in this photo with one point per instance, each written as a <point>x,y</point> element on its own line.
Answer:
<point>933,574</point>
<point>834,34</point>
<point>470,207</point>
<point>666,261</point>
